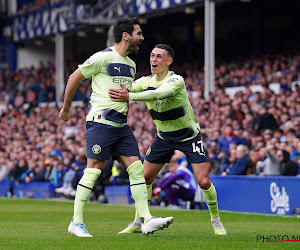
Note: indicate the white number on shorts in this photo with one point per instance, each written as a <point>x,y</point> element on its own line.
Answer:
<point>198,148</point>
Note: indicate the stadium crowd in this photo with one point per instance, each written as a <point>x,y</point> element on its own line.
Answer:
<point>253,133</point>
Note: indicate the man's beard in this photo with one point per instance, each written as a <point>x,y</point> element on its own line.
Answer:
<point>132,48</point>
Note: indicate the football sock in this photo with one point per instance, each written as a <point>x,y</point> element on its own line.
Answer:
<point>84,189</point>
<point>149,190</point>
<point>138,189</point>
<point>210,197</point>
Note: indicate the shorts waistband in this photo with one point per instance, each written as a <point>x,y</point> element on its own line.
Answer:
<point>101,119</point>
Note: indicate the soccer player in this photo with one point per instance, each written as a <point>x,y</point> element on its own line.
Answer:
<point>177,129</point>
<point>107,131</point>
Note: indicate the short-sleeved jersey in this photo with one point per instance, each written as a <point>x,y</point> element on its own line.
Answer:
<point>173,116</point>
<point>108,69</point>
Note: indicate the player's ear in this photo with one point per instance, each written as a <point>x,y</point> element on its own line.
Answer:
<point>170,60</point>
<point>125,36</point>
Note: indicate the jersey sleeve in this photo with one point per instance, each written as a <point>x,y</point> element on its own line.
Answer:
<point>137,85</point>
<point>92,66</point>
<point>167,89</point>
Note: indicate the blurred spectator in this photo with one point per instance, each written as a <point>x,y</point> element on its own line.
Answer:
<point>4,169</point>
<point>67,188</point>
<point>295,155</point>
<point>37,173</point>
<point>213,158</point>
<point>228,138</point>
<point>178,183</point>
<point>240,162</point>
<point>17,173</point>
<point>3,106</point>
<point>264,121</point>
<point>236,113</point>
<point>287,167</point>
<point>270,165</point>
<point>102,181</point>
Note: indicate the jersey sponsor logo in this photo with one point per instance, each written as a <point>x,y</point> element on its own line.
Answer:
<point>96,149</point>
<point>118,69</point>
<point>280,202</point>
<point>123,80</point>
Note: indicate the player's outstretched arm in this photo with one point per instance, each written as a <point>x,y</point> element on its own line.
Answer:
<point>72,85</point>
<point>153,95</point>
<point>147,95</point>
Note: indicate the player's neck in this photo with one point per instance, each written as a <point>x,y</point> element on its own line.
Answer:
<point>160,76</point>
<point>121,49</point>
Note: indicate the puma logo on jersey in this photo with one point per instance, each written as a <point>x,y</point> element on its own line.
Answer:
<point>119,69</point>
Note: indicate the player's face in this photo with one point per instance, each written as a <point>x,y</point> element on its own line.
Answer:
<point>159,60</point>
<point>135,39</point>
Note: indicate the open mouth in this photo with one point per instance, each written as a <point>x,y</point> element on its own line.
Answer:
<point>154,65</point>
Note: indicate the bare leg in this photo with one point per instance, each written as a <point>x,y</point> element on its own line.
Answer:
<point>201,171</point>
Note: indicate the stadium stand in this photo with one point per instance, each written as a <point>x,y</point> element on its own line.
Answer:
<point>26,98</point>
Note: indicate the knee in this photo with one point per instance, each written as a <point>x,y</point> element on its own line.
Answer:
<point>205,183</point>
<point>95,163</point>
<point>149,178</point>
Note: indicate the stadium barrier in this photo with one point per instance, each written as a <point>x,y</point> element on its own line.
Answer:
<point>35,189</point>
<point>267,195</point>
<point>4,187</point>
<point>118,194</point>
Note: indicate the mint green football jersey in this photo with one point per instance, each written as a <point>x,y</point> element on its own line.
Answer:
<point>108,69</point>
<point>169,106</point>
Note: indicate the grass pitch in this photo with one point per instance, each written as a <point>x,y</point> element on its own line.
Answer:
<point>36,224</point>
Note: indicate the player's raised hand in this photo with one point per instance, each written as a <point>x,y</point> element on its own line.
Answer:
<point>64,114</point>
<point>119,95</point>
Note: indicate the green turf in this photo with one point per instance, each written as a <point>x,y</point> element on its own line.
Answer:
<point>36,224</point>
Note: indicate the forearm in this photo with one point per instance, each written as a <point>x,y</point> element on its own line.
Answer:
<point>69,93</point>
<point>151,95</point>
<point>71,87</point>
<point>272,157</point>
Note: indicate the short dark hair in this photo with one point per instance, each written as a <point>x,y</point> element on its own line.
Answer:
<point>124,25</point>
<point>167,48</point>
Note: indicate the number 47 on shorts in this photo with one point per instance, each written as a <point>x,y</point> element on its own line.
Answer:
<point>199,148</point>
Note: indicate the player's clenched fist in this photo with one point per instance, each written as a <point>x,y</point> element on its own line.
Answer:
<point>64,114</point>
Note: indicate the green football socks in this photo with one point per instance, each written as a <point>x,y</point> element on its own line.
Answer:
<point>138,189</point>
<point>149,191</point>
<point>84,189</point>
<point>210,197</point>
